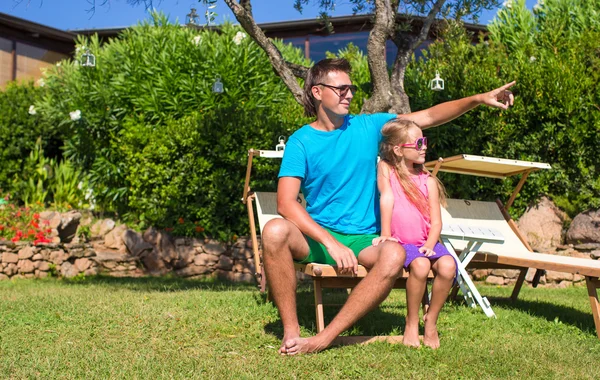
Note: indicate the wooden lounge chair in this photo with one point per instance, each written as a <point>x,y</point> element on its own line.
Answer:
<point>515,252</point>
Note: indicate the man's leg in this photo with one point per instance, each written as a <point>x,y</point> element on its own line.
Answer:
<point>444,269</point>
<point>415,288</point>
<point>282,242</point>
<point>386,262</point>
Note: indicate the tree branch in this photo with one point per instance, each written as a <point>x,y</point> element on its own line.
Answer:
<point>277,61</point>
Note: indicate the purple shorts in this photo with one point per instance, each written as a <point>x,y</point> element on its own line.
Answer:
<point>412,252</point>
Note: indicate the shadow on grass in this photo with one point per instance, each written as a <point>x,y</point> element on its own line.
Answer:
<point>379,321</point>
<point>551,312</point>
<point>161,284</point>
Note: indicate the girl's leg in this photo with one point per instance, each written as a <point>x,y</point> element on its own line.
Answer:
<point>415,288</point>
<point>444,269</point>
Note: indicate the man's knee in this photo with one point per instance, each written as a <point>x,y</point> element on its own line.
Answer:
<point>275,233</point>
<point>420,267</point>
<point>392,256</point>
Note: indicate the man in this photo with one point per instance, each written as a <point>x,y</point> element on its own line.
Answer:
<point>333,160</point>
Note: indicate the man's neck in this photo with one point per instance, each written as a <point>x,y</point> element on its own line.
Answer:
<point>327,121</point>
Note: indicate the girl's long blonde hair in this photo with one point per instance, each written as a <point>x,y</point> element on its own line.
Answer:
<point>395,132</point>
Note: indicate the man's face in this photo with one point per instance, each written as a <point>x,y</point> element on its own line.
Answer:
<point>334,93</point>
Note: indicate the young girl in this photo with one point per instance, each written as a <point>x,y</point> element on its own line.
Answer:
<point>410,214</point>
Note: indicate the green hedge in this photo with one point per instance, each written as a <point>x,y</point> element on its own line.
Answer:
<point>553,56</point>
<point>160,147</point>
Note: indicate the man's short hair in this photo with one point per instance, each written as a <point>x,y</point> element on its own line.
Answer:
<point>317,74</point>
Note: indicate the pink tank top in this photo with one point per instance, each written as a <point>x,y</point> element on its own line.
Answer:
<point>409,226</point>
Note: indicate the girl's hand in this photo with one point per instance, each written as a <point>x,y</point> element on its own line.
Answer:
<point>381,239</point>
<point>426,251</point>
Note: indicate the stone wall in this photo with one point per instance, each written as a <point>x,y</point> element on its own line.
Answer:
<point>125,253</point>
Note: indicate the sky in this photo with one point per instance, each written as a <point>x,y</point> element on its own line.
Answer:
<point>74,14</point>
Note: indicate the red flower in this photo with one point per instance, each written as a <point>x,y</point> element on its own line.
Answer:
<point>19,233</point>
<point>36,216</point>
<point>34,224</point>
<point>169,229</point>
<point>199,229</point>
<point>1,228</point>
<point>180,221</point>
<point>15,239</point>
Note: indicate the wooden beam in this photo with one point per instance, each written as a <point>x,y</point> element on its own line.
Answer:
<point>14,60</point>
<point>517,189</point>
<point>592,284</point>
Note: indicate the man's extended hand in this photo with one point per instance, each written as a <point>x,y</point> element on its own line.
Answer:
<point>500,97</point>
<point>344,258</point>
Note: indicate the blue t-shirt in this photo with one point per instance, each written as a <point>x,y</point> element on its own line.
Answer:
<point>338,170</point>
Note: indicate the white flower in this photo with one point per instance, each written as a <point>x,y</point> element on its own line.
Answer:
<point>239,36</point>
<point>57,64</point>
<point>507,4</point>
<point>196,40</point>
<point>75,115</point>
<point>32,110</point>
<point>41,82</point>
<point>532,59</point>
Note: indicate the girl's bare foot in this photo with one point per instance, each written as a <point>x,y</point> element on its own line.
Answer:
<point>411,335</point>
<point>431,338</point>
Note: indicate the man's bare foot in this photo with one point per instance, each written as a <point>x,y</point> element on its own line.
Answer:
<point>288,337</point>
<point>302,346</point>
<point>431,338</point>
<point>411,335</point>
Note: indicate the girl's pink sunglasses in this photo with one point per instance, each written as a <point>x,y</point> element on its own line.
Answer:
<point>418,144</point>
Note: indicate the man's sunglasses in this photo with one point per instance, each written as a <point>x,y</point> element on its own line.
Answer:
<point>418,144</point>
<point>343,89</point>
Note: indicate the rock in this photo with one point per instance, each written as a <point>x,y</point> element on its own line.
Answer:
<point>37,257</point>
<point>26,253</point>
<point>585,228</point>
<point>495,280</point>
<point>45,254</point>
<point>578,278</point>
<point>52,217</point>
<point>43,266</point>
<point>595,254</point>
<point>102,227</point>
<point>83,264</point>
<point>192,270</point>
<point>213,247</point>
<point>587,247</point>
<point>58,257</point>
<point>186,253</point>
<point>206,259</point>
<point>506,273</point>
<point>69,222</point>
<point>3,277</point>
<point>564,284</point>
<point>225,263</point>
<point>102,256</point>
<point>180,241</point>
<point>135,243</point>
<point>41,274</point>
<point>114,239</point>
<point>552,276</point>
<point>163,243</point>
<point>153,262</point>
<point>91,271</point>
<point>542,225</point>
<point>25,266</point>
<point>8,257</point>
<point>68,270</point>
<point>10,269</point>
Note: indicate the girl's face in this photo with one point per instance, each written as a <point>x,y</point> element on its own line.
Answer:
<point>413,150</point>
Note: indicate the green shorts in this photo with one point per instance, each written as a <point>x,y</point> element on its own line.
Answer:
<point>318,253</point>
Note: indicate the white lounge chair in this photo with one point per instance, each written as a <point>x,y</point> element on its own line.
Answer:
<point>515,252</point>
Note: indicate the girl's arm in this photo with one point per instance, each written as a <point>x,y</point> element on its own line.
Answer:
<point>386,202</point>
<point>435,215</point>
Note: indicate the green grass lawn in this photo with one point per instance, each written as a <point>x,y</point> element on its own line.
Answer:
<point>175,328</point>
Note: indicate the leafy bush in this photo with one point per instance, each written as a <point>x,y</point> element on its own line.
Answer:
<point>554,57</point>
<point>159,145</point>
<point>20,127</point>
